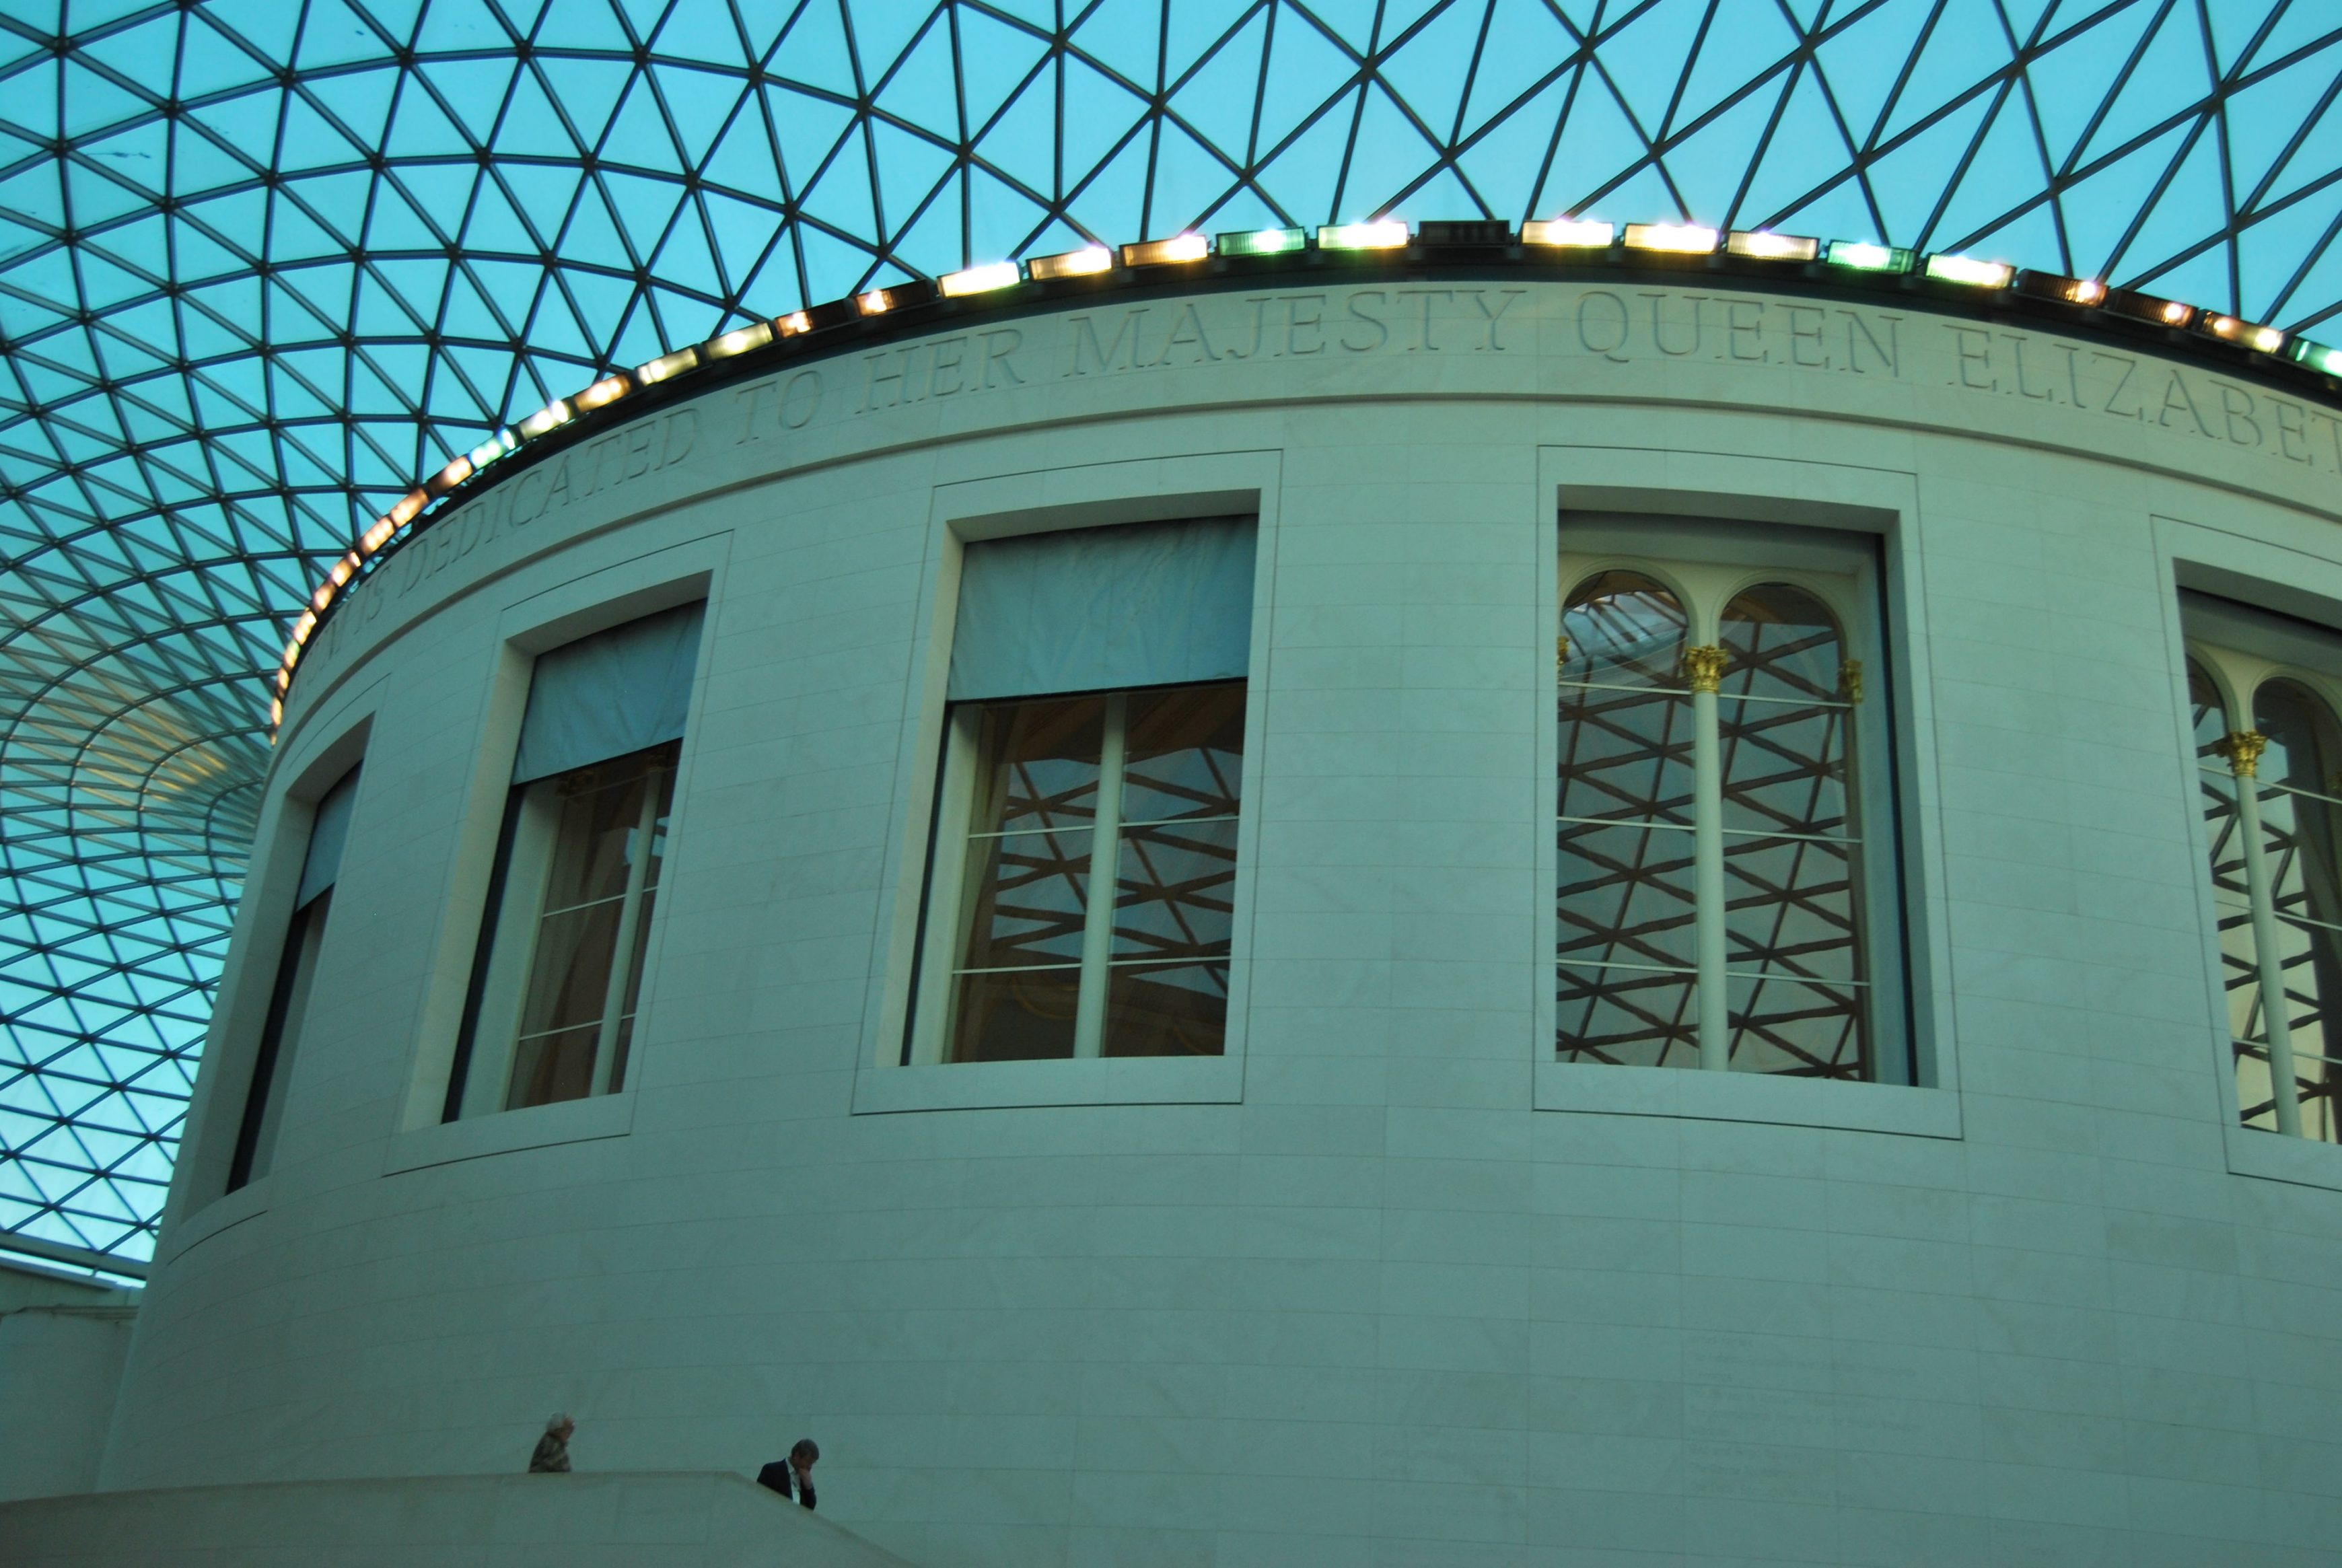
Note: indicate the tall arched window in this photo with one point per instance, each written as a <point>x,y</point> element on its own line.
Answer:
<point>1794,916</point>
<point>2272,801</point>
<point>2298,816</point>
<point>1625,907</point>
<point>1715,904</point>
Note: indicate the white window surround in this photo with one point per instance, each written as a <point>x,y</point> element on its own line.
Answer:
<point>2289,570</point>
<point>315,755</point>
<point>1634,488</point>
<point>539,615</point>
<point>2243,654</point>
<point>1215,485</point>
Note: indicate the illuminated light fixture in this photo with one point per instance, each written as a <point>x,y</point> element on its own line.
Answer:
<point>404,512</point>
<point>1071,264</point>
<point>739,340</point>
<point>2149,307</point>
<point>448,478</point>
<point>377,536</point>
<point>276,715</point>
<point>1676,239</point>
<point>1862,256</point>
<point>1387,235</point>
<point>1570,234</point>
<point>495,447</point>
<point>346,568</point>
<point>551,416</point>
<point>794,325</point>
<point>877,301</point>
<point>301,630</point>
<point>607,390</point>
<point>1760,244</point>
<point>2057,286</point>
<point>667,364</point>
<point>1970,270</point>
<point>2228,329</point>
<point>2318,356</point>
<point>1263,242</point>
<point>974,280</point>
<point>1166,253</point>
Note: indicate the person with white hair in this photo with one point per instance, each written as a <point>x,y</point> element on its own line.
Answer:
<point>552,1455</point>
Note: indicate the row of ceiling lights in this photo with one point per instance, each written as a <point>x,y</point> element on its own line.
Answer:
<point>1563,238</point>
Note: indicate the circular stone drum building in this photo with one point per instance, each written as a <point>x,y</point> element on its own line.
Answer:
<point>1388,913</point>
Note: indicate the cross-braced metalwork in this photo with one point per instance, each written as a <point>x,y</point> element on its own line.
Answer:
<point>263,261</point>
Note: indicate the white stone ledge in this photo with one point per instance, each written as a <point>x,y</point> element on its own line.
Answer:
<point>223,1213</point>
<point>2274,1157</point>
<point>1596,1087</point>
<point>537,1127</point>
<point>996,1085</point>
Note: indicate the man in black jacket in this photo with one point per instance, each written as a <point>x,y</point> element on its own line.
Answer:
<point>793,1478</point>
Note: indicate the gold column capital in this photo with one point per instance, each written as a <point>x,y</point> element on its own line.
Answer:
<point>1850,680</point>
<point>1560,654</point>
<point>2243,749</point>
<point>1704,668</point>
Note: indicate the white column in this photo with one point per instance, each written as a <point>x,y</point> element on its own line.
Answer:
<point>1097,915</point>
<point>2243,753</point>
<point>630,920</point>
<point>1704,672</point>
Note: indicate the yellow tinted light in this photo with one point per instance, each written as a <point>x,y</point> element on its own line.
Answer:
<point>1680,239</point>
<point>1071,264</point>
<point>978,279</point>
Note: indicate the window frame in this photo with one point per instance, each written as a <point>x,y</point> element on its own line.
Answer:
<point>1657,515</point>
<point>1686,566</point>
<point>934,1009</point>
<point>2238,672</point>
<point>971,511</point>
<point>480,1081</point>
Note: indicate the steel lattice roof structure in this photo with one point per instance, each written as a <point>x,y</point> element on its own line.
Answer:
<point>264,263</point>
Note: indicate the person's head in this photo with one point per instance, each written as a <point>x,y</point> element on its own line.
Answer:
<point>803,1453</point>
<point>561,1426</point>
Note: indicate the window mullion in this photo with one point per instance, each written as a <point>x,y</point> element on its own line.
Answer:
<point>630,916</point>
<point>2243,753</point>
<point>1097,914</point>
<point>1704,666</point>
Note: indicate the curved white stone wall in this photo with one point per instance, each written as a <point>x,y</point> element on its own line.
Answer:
<point>1387,1285</point>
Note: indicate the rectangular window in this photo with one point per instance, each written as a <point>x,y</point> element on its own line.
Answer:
<point>288,999</point>
<point>2265,690</point>
<point>1726,895</point>
<point>1135,792</point>
<point>551,1012</point>
<point>1080,900</point>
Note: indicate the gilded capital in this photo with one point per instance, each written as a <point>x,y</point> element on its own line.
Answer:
<point>2243,749</point>
<point>1850,680</point>
<point>1560,654</point>
<point>1704,668</point>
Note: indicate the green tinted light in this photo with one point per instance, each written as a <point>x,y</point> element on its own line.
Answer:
<point>1262,242</point>
<point>1863,256</point>
<point>2318,356</point>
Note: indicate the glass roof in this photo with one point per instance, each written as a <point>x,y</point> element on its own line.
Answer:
<point>264,263</point>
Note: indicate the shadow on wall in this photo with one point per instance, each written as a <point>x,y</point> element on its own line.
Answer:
<point>612,1520</point>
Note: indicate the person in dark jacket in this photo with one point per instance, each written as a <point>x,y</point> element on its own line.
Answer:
<point>792,1477</point>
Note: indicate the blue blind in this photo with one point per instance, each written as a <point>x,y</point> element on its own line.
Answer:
<point>610,693</point>
<point>327,833</point>
<point>1099,609</point>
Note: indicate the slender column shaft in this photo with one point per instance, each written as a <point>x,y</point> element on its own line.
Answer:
<point>1097,914</point>
<point>2243,753</point>
<point>1703,671</point>
<point>630,920</point>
